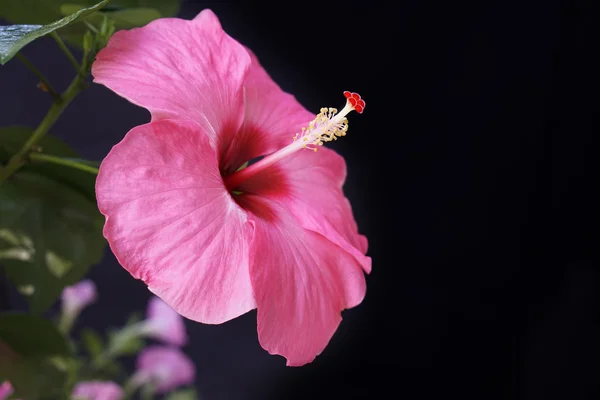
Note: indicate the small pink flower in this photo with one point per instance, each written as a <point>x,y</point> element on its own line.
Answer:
<point>6,390</point>
<point>163,323</point>
<point>166,368</point>
<point>75,298</point>
<point>215,240</point>
<point>97,390</point>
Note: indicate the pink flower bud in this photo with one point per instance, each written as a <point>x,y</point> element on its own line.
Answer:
<point>75,298</point>
<point>6,390</point>
<point>163,323</point>
<point>97,390</point>
<point>164,367</point>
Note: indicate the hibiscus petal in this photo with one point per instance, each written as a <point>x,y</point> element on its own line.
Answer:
<point>310,187</point>
<point>171,222</point>
<point>271,119</point>
<point>301,282</point>
<point>180,69</point>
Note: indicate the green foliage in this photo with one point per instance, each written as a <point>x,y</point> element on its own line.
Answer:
<point>14,37</point>
<point>23,333</point>
<point>134,318</point>
<point>50,226</point>
<point>93,343</point>
<point>124,14</point>
<point>183,394</point>
<point>124,342</point>
<point>32,355</point>
<point>166,8</point>
<point>14,137</point>
<point>45,11</point>
<point>124,18</point>
<point>50,235</point>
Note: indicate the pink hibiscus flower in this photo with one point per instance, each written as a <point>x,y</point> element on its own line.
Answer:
<point>166,368</point>
<point>212,240</point>
<point>97,390</point>
<point>78,296</point>
<point>75,298</point>
<point>163,323</point>
<point>6,390</point>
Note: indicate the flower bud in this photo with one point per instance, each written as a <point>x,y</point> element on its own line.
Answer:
<point>97,390</point>
<point>163,323</point>
<point>165,368</point>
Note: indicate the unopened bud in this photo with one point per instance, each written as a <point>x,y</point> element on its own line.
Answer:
<point>43,87</point>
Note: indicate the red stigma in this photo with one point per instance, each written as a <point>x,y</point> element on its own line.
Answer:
<point>355,101</point>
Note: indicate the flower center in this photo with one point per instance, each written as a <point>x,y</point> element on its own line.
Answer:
<point>327,126</point>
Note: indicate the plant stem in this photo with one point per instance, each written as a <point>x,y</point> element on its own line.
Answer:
<point>131,386</point>
<point>117,345</point>
<point>47,86</point>
<point>65,323</point>
<point>63,161</point>
<point>54,112</point>
<point>90,27</point>
<point>147,392</point>
<point>67,52</point>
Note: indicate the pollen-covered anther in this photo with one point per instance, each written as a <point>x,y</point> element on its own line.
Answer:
<point>327,126</point>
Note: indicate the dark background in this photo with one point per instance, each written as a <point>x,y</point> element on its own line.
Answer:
<point>472,171</point>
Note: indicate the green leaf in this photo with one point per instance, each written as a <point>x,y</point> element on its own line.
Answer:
<point>92,342</point>
<point>12,139</point>
<point>50,235</point>
<point>119,19</point>
<point>14,37</point>
<point>17,371</point>
<point>112,370</point>
<point>166,8</point>
<point>132,17</point>
<point>30,11</point>
<point>51,378</point>
<point>88,42</point>
<point>30,350</point>
<point>126,13</point>
<point>134,318</point>
<point>122,343</point>
<point>23,333</point>
<point>124,19</point>
<point>183,394</point>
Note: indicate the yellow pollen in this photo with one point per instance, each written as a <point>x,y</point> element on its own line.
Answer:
<point>327,126</point>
